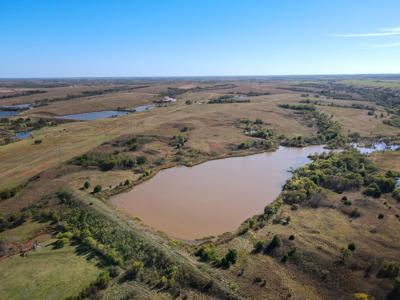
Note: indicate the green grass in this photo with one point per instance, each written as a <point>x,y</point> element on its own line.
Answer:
<point>23,232</point>
<point>46,274</point>
<point>374,83</point>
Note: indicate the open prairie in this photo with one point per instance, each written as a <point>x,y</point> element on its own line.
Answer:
<point>329,231</point>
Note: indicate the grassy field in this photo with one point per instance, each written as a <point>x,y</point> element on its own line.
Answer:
<point>22,233</point>
<point>394,84</point>
<point>46,273</point>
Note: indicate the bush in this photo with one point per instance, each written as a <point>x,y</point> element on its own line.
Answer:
<point>207,253</point>
<point>258,246</point>
<point>373,190</point>
<point>141,160</point>
<point>389,270</point>
<point>136,268</point>
<point>275,243</point>
<point>396,195</point>
<point>351,247</point>
<point>231,256</point>
<point>60,243</point>
<point>355,213</point>
<point>385,184</point>
<point>102,280</point>
<point>97,189</point>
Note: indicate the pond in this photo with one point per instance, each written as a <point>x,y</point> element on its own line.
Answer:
<point>375,147</point>
<point>22,135</point>
<point>215,196</point>
<point>95,115</point>
<point>8,113</point>
<point>145,107</point>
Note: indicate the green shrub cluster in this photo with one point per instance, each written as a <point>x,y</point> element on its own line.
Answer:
<point>228,99</point>
<point>395,122</point>
<point>344,171</point>
<point>257,144</point>
<point>10,192</point>
<point>298,106</point>
<point>104,161</point>
<point>178,141</point>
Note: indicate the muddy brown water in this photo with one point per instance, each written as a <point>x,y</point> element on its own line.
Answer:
<point>215,196</point>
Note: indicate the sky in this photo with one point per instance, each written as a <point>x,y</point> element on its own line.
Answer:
<point>99,38</point>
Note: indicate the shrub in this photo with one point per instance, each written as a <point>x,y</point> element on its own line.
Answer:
<point>114,271</point>
<point>257,279</point>
<point>381,216</point>
<point>141,160</point>
<point>60,243</point>
<point>258,246</point>
<point>102,280</point>
<point>385,184</point>
<point>373,190</point>
<point>351,247</point>
<point>291,237</point>
<point>97,189</point>
<point>86,185</point>
<point>389,270</point>
<point>207,253</point>
<point>355,213</point>
<point>396,195</point>
<point>136,268</point>
<point>275,243</point>
<point>231,256</point>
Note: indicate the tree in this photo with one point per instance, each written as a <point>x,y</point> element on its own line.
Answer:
<point>86,185</point>
<point>97,189</point>
<point>258,246</point>
<point>275,243</point>
<point>141,160</point>
<point>231,256</point>
<point>102,280</point>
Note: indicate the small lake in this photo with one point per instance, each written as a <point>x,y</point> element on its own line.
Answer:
<point>95,115</point>
<point>8,113</point>
<point>145,107</point>
<point>376,147</point>
<point>215,196</point>
<point>22,135</point>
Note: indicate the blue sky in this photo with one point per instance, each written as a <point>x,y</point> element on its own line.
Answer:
<point>71,38</point>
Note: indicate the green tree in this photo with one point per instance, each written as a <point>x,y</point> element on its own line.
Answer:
<point>97,189</point>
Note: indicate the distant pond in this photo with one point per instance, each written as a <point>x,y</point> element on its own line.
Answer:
<point>95,115</point>
<point>8,113</point>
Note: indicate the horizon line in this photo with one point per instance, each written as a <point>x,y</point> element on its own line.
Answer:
<point>196,76</point>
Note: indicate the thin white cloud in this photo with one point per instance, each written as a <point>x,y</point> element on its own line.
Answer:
<point>392,45</point>
<point>395,31</point>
